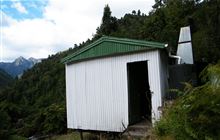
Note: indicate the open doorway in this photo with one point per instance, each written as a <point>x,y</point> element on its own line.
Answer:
<point>139,96</point>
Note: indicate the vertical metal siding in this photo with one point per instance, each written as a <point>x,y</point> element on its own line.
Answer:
<point>155,85</point>
<point>97,92</point>
<point>164,73</point>
<point>163,63</point>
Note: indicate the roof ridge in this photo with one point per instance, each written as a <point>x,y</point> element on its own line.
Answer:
<point>130,40</point>
<point>136,42</point>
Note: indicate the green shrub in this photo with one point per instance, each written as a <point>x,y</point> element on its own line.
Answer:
<point>195,114</point>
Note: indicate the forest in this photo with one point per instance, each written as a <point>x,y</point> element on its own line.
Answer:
<point>35,103</point>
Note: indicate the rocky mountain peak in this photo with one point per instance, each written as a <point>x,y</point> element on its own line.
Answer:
<point>20,61</point>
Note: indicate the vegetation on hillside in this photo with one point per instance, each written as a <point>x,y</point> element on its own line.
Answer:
<point>163,24</point>
<point>35,104</point>
<point>196,113</point>
<point>5,78</point>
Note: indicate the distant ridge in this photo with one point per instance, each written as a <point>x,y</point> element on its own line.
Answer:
<point>18,66</point>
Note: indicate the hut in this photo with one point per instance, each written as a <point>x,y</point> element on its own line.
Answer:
<point>115,82</point>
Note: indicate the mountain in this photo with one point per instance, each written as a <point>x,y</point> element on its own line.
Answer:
<point>19,65</point>
<point>34,60</point>
<point>5,78</point>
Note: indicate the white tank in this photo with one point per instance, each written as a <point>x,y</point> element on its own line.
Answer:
<point>184,49</point>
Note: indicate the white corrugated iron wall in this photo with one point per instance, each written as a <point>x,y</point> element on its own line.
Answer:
<point>97,92</point>
<point>164,73</point>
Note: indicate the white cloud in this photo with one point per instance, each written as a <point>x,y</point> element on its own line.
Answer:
<point>6,20</point>
<point>30,37</point>
<point>19,7</point>
<point>64,23</point>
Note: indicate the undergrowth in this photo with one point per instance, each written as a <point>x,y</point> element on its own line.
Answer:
<point>195,114</point>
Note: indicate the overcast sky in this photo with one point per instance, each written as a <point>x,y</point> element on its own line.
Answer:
<point>37,28</point>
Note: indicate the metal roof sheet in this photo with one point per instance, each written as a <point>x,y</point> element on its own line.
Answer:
<point>106,46</point>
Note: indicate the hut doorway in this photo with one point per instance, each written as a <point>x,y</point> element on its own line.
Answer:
<point>139,96</point>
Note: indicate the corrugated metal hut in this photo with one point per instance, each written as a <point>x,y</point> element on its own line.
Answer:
<point>115,82</point>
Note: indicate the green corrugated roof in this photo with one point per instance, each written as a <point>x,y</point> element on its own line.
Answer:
<point>106,46</point>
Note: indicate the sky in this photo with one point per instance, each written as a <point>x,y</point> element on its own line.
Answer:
<point>38,28</point>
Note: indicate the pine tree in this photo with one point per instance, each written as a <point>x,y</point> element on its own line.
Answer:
<point>109,23</point>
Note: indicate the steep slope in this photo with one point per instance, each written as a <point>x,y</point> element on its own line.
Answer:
<point>35,104</point>
<point>5,78</point>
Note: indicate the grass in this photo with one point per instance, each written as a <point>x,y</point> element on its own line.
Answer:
<point>90,136</point>
<point>74,136</point>
<point>70,136</point>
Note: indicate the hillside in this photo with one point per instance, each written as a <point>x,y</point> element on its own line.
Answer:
<point>5,78</point>
<point>35,104</point>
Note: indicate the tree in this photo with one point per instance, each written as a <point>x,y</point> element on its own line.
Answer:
<point>139,12</point>
<point>134,12</point>
<point>4,125</point>
<point>159,3</point>
<point>109,23</point>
